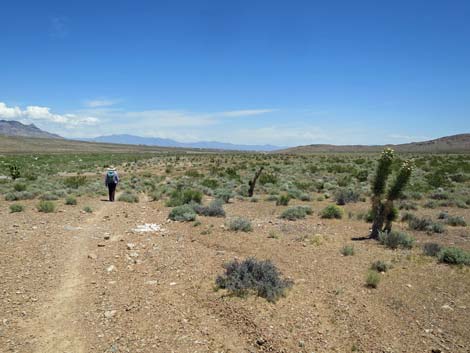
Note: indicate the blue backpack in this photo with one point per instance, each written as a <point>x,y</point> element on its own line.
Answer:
<point>110,177</point>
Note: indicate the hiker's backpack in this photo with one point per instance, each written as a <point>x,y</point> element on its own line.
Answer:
<point>110,177</point>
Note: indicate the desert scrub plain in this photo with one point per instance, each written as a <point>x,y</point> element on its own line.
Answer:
<point>285,270</point>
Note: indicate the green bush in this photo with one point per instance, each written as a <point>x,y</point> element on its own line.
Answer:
<point>380,266</point>
<point>183,213</point>
<point>182,197</point>
<point>239,224</point>
<point>75,182</point>
<point>431,249</point>
<point>372,279</point>
<point>251,275</point>
<point>49,197</point>
<point>332,211</point>
<point>18,196</point>
<point>210,183</point>
<point>344,196</point>
<point>20,187</point>
<point>223,194</point>
<point>347,250</point>
<point>394,240</point>
<point>70,200</point>
<point>128,196</point>
<point>456,221</point>
<point>46,206</point>
<point>425,224</point>
<point>454,256</point>
<point>297,212</point>
<point>87,209</point>
<point>283,200</point>
<point>16,208</point>
<point>215,209</point>
<point>268,178</point>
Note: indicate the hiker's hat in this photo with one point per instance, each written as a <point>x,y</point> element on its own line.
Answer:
<point>111,168</point>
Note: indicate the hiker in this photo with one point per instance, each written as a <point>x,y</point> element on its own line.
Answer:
<point>111,180</point>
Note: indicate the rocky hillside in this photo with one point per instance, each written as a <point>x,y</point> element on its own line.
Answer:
<point>15,128</point>
<point>454,143</point>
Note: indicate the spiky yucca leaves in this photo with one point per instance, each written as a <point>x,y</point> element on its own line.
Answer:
<point>383,210</point>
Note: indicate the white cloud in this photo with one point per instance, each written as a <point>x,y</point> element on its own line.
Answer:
<point>35,113</point>
<point>247,112</point>
<point>97,103</point>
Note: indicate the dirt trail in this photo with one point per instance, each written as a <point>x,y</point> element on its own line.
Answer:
<point>58,327</point>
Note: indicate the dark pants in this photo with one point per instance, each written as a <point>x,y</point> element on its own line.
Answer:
<point>112,191</point>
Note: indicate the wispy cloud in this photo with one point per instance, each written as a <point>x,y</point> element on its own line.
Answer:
<point>247,112</point>
<point>102,102</point>
<point>38,113</point>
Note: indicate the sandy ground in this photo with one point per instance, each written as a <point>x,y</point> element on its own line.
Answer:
<point>76,282</point>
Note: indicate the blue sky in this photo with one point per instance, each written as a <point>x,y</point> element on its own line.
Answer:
<point>279,72</point>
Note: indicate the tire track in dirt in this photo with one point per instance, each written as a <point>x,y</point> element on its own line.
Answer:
<point>58,325</point>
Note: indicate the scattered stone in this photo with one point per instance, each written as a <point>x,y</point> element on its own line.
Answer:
<point>111,268</point>
<point>101,245</point>
<point>446,307</point>
<point>130,246</point>
<point>109,314</point>
<point>106,237</point>
<point>149,227</point>
<point>92,256</point>
<point>172,283</point>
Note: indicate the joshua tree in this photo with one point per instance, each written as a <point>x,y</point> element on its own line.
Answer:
<point>252,183</point>
<point>383,211</point>
<point>14,171</point>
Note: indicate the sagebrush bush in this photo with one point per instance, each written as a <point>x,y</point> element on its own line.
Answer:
<point>431,249</point>
<point>344,196</point>
<point>46,206</point>
<point>283,200</point>
<point>372,279</point>
<point>223,194</point>
<point>129,197</point>
<point>454,256</point>
<point>19,195</point>
<point>70,200</point>
<point>87,209</point>
<point>19,187</point>
<point>297,212</point>
<point>251,275</point>
<point>456,221</point>
<point>16,208</point>
<point>425,224</point>
<point>48,197</point>
<point>380,266</point>
<point>183,213</point>
<point>239,224</point>
<point>394,240</point>
<point>184,196</point>
<point>347,250</point>
<point>75,182</point>
<point>214,209</point>
<point>332,211</point>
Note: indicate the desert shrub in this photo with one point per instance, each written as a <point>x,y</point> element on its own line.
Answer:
<point>155,195</point>
<point>254,199</point>
<point>75,182</point>
<point>456,221</point>
<point>16,208</point>
<point>344,196</point>
<point>332,211</point>
<point>297,212</point>
<point>271,198</point>
<point>214,209</point>
<point>210,183</point>
<point>437,179</point>
<point>443,215</point>
<point>193,173</point>
<point>70,201</point>
<point>366,216</point>
<point>454,256</point>
<point>305,197</point>
<point>372,279</point>
<point>404,205</point>
<point>129,197</point>
<point>18,196</point>
<point>283,200</point>
<point>46,206</point>
<point>425,224</point>
<point>394,240</point>
<point>430,204</point>
<point>347,250</point>
<point>239,224</point>
<point>181,197</point>
<point>87,209</point>
<point>223,194</point>
<point>431,249</point>
<point>362,175</point>
<point>380,266</point>
<point>251,275</point>
<point>268,178</point>
<point>439,195</point>
<point>183,213</point>
<point>19,187</point>
<point>49,197</point>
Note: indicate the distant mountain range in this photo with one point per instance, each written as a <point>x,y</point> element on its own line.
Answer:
<point>156,141</point>
<point>15,128</point>
<point>454,143</point>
